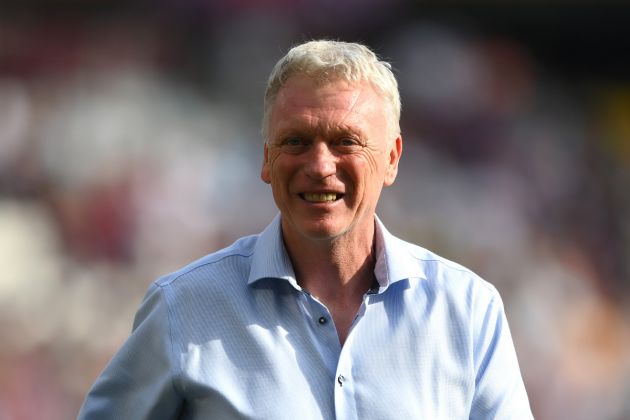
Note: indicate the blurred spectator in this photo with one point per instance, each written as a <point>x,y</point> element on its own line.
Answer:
<point>124,143</point>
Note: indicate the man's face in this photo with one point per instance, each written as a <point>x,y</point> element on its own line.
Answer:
<point>328,155</point>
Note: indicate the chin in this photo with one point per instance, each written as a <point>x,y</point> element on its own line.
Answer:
<point>321,234</point>
<point>322,230</point>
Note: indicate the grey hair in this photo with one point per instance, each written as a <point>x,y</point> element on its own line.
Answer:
<point>324,61</point>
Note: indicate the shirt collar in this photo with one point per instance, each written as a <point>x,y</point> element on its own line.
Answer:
<point>270,259</point>
<point>394,261</point>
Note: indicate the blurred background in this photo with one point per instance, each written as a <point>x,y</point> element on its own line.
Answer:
<point>130,145</point>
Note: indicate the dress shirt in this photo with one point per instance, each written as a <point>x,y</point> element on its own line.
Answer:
<point>234,336</point>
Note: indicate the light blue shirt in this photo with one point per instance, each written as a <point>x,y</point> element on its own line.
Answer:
<point>233,336</point>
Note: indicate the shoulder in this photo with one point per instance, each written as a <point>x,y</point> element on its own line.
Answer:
<point>230,263</point>
<point>213,287</point>
<point>445,276</point>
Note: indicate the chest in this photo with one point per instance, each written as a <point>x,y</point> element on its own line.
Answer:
<point>289,364</point>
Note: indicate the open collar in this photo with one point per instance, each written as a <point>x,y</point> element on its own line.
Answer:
<point>394,260</point>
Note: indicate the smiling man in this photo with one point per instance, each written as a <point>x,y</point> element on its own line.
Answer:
<point>324,314</point>
<point>330,150</point>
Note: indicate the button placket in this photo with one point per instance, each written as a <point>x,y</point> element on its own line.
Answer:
<point>345,399</point>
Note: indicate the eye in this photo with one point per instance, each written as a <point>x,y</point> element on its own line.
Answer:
<point>294,144</point>
<point>293,141</point>
<point>347,143</point>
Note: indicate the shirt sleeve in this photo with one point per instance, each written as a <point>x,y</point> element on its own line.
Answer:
<point>499,389</point>
<point>138,382</point>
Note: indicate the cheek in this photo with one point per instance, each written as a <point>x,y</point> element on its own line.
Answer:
<point>271,163</point>
<point>280,172</point>
<point>375,159</point>
<point>358,173</point>
<point>369,175</point>
<point>369,166</point>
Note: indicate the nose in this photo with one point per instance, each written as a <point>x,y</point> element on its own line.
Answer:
<point>320,161</point>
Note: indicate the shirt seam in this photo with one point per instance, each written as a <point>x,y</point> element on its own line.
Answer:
<point>168,280</point>
<point>458,268</point>
<point>174,366</point>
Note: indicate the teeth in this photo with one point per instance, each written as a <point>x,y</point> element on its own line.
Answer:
<point>320,197</point>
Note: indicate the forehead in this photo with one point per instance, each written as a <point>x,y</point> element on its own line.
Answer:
<point>338,102</point>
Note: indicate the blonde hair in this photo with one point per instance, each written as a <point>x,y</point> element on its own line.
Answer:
<point>324,61</point>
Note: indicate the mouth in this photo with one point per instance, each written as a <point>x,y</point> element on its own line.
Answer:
<point>321,197</point>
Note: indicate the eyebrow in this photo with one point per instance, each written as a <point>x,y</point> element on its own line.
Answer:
<point>288,129</point>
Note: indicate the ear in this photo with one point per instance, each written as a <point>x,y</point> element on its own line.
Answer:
<point>395,151</point>
<point>264,172</point>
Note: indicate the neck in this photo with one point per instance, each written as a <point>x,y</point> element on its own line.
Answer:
<point>335,267</point>
<point>337,271</point>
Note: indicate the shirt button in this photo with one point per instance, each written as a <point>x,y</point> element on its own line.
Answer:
<point>322,320</point>
<point>340,380</point>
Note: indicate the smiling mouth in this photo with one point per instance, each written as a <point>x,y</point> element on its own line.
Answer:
<point>321,197</point>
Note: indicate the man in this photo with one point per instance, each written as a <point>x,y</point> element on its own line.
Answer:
<point>324,314</point>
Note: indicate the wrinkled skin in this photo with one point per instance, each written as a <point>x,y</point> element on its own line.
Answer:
<point>328,155</point>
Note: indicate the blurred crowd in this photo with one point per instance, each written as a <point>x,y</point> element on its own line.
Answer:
<point>129,147</point>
